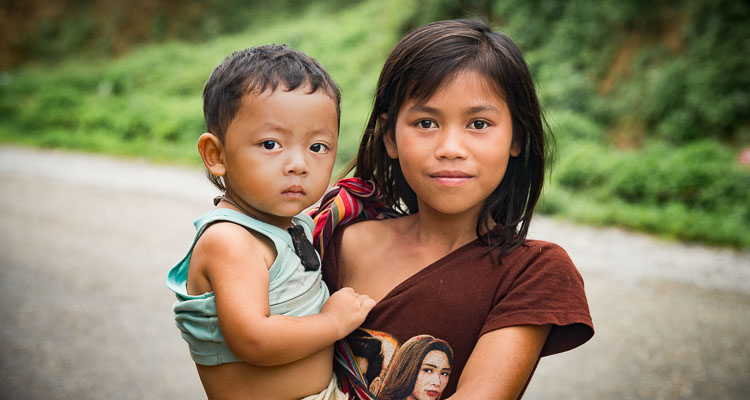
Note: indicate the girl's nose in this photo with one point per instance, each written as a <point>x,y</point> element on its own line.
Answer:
<point>450,145</point>
<point>296,164</point>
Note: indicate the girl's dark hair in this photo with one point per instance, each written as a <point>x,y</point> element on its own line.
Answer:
<point>422,63</point>
<point>254,70</point>
<point>404,369</point>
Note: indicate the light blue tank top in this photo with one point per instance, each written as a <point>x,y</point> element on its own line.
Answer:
<point>292,291</point>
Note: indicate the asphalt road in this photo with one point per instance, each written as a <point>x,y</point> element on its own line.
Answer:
<point>86,242</point>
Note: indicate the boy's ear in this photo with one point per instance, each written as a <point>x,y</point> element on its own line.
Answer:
<point>389,139</point>
<point>212,153</point>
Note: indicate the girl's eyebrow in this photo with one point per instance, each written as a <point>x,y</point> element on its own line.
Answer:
<point>470,110</point>
<point>476,109</point>
<point>423,108</point>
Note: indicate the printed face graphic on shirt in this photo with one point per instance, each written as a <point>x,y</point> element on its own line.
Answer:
<point>433,376</point>
<point>417,369</point>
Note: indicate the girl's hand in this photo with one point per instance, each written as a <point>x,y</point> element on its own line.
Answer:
<point>347,310</point>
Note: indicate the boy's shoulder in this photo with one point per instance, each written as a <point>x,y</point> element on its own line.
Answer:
<point>224,239</point>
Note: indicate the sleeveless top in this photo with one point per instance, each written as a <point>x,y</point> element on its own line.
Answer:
<point>292,290</point>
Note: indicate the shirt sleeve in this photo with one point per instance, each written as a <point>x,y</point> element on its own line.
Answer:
<point>544,287</point>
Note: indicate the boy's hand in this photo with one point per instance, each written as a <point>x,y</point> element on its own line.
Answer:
<point>347,310</point>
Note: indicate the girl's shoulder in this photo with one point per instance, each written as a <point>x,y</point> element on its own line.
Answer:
<point>360,236</point>
<point>541,258</point>
<point>533,249</point>
<point>540,246</point>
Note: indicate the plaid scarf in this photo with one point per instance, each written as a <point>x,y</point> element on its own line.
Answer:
<point>348,200</point>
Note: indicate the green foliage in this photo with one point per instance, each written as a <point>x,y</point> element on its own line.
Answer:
<point>649,102</point>
<point>148,103</point>
<point>46,33</point>
<point>695,192</point>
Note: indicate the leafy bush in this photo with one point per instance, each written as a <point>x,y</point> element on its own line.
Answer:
<point>695,192</point>
<point>649,102</point>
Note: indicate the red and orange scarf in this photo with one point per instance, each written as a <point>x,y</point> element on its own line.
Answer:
<point>348,200</point>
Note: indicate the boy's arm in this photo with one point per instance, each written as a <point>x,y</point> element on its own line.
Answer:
<point>236,264</point>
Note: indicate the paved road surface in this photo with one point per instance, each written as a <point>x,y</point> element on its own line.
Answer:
<point>86,241</point>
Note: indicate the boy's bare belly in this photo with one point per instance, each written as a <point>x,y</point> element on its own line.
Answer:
<point>296,380</point>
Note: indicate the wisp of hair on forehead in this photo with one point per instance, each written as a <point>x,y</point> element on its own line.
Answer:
<point>423,62</point>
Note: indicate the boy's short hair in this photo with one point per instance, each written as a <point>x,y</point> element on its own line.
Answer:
<point>254,70</point>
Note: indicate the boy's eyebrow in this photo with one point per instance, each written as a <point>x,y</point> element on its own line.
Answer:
<point>282,129</point>
<point>273,126</point>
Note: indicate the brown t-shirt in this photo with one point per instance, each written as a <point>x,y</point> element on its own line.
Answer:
<point>463,296</point>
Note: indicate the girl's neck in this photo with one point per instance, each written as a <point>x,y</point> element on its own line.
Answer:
<point>440,231</point>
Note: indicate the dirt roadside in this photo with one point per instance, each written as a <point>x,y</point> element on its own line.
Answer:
<point>88,239</point>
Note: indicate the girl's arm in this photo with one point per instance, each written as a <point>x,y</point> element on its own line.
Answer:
<point>236,265</point>
<point>501,362</point>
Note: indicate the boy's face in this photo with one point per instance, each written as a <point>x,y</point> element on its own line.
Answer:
<point>279,152</point>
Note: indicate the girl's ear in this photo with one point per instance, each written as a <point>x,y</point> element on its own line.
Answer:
<point>515,148</point>
<point>389,139</point>
<point>212,153</point>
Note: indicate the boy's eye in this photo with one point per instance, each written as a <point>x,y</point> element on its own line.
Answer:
<point>319,148</point>
<point>478,125</point>
<point>270,144</point>
<point>425,124</point>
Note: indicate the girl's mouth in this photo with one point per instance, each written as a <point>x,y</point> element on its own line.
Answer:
<point>433,393</point>
<point>451,178</point>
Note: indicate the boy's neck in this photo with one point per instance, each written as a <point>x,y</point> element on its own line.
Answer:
<point>280,222</point>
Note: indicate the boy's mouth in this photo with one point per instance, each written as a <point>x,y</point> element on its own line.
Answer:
<point>294,191</point>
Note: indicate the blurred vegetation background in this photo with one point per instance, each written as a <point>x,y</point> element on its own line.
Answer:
<point>649,101</point>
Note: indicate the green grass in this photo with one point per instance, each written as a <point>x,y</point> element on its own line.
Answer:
<point>148,103</point>
<point>681,117</point>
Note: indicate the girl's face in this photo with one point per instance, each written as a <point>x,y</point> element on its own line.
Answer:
<point>433,376</point>
<point>454,148</point>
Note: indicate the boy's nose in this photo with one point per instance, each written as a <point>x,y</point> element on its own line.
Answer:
<point>296,165</point>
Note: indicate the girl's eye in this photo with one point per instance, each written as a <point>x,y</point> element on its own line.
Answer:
<point>319,148</point>
<point>425,124</point>
<point>270,144</point>
<point>479,125</point>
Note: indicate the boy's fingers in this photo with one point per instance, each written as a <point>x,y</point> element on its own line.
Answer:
<point>368,303</point>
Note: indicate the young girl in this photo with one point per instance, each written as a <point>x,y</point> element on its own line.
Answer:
<point>250,289</point>
<point>456,143</point>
